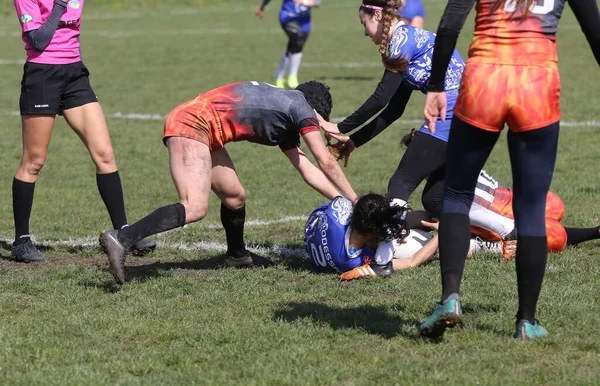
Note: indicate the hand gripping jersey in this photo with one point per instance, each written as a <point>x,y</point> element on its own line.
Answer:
<point>492,200</point>
<point>251,111</point>
<point>291,11</point>
<point>64,46</point>
<point>416,45</point>
<point>326,238</point>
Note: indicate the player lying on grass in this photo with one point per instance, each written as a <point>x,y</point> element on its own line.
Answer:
<point>195,134</point>
<point>493,204</point>
<point>366,237</point>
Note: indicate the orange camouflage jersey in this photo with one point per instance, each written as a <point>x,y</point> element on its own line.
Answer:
<point>510,35</point>
<point>526,93</point>
<point>498,199</point>
<point>246,111</point>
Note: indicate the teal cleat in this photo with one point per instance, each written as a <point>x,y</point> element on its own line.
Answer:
<point>447,315</point>
<point>527,331</point>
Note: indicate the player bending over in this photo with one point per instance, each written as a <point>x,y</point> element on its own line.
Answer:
<point>195,134</point>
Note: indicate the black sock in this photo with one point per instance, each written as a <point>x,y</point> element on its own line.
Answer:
<point>161,220</point>
<point>22,202</point>
<point>579,235</point>
<point>530,264</point>
<point>454,235</point>
<point>233,221</point>
<point>111,191</point>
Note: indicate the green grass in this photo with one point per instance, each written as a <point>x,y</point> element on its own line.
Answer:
<point>183,317</point>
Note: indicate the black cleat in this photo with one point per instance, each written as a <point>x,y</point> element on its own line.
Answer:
<point>142,247</point>
<point>248,260</point>
<point>116,254</point>
<point>26,252</point>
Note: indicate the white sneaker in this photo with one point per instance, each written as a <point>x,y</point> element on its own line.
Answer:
<point>479,244</point>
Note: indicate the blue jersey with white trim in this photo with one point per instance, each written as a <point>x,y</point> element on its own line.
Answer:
<point>291,11</point>
<point>416,45</point>
<point>326,238</point>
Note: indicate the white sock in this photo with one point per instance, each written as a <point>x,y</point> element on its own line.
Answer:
<point>295,60</point>
<point>284,65</point>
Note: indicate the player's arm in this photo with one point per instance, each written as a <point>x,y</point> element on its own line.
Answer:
<point>384,92</point>
<point>588,16</point>
<point>453,19</point>
<point>311,174</point>
<point>260,11</point>
<point>392,112</point>
<point>328,164</point>
<point>420,257</point>
<point>40,37</point>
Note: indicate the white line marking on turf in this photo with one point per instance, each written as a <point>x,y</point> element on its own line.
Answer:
<point>8,61</point>
<point>202,246</point>
<point>158,117</point>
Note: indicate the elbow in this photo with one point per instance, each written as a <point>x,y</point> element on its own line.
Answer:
<point>37,45</point>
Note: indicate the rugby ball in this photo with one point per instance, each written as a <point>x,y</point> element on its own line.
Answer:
<point>415,240</point>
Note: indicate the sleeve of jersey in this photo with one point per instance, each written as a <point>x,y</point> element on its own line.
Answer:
<point>384,92</point>
<point>306,126</point>
<point>453,19</point>
<point>588,16</point>
<point>41,37</point>
<point>28,12</point>
<point>394,111</point>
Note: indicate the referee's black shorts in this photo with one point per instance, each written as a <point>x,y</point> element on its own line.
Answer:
<point>49,89</point>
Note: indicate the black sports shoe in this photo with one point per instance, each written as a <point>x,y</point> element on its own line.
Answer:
<point>26,252</point>
<point>248,260</point>
<point>116,254</point>
<point>142,247</point>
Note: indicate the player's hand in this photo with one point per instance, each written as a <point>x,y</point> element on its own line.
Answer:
<point>259,12</point>
<point>435,106</point>
<point>326,125</point>
<point>342,148</point>
<point>433,225</point>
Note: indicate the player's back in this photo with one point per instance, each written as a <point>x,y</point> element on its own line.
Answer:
<point>510,35</point>
<point>416,45</point>
<point>326,237</point>
<point>259,112</point>
<point>292,11</point>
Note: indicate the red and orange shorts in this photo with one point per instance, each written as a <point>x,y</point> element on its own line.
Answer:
<point>197,120</point>
<point>526,97</point>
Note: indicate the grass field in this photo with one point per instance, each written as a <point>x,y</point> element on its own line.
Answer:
<point>184,318</point>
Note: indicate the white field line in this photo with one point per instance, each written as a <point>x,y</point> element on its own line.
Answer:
<point>158,117</point>
<point>90,243</point>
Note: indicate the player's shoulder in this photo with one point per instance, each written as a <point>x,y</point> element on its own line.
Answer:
<point>340,210</point>
<point>406,38</point>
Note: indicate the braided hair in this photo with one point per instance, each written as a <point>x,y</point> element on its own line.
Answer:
<point>318,97</point>
<point>389,12</point>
